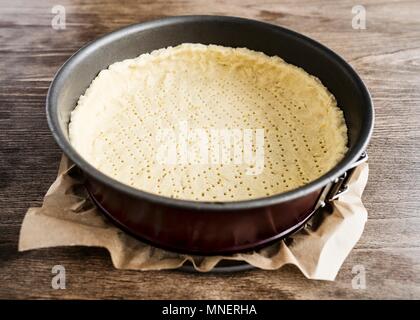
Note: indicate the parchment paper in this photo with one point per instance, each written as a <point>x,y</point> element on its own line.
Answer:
<point>69,218</point>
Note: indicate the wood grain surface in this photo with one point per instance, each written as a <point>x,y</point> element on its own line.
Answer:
<point>386,55</point>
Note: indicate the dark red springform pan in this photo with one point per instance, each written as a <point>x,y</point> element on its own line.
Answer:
<point>208,228</point>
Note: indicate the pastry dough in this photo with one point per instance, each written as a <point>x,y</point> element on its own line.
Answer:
<point>118,120</point>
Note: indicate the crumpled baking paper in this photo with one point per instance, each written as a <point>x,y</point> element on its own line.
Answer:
<point>68,217</point>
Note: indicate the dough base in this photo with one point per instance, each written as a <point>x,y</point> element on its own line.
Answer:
<point>117,122</point>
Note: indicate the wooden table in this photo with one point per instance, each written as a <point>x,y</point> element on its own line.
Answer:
<point>387,56</point>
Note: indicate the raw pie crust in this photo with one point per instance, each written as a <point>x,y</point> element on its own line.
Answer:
<point>116,122</point>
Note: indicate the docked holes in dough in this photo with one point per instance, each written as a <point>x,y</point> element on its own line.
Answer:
<point>210,88</point>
